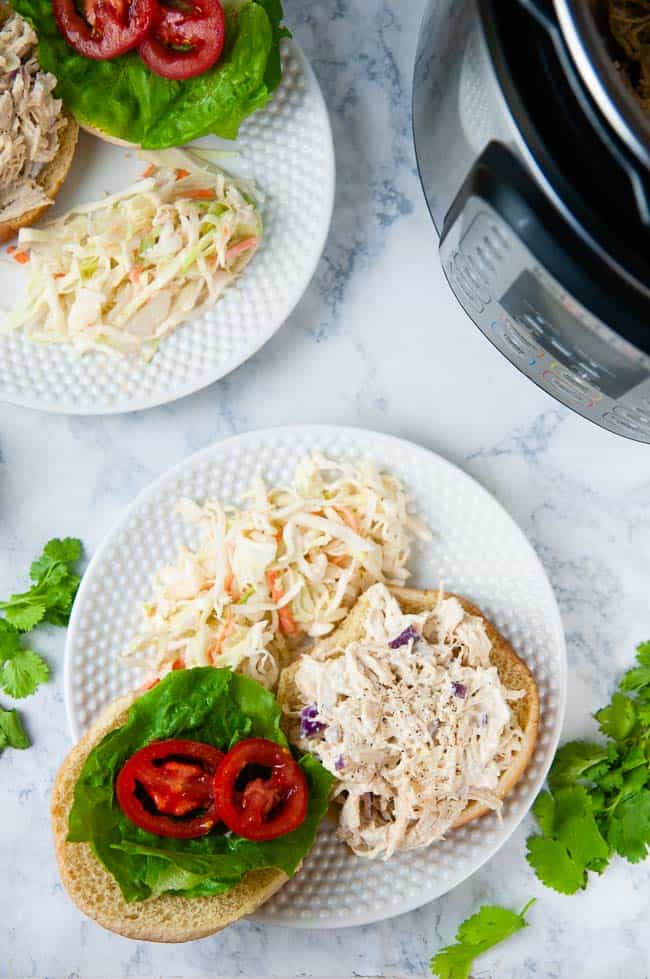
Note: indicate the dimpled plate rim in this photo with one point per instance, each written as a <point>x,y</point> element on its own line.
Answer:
<point>160,394</point>
<point>360,442</point>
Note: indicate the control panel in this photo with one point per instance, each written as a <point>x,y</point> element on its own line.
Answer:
<point>541,328</point>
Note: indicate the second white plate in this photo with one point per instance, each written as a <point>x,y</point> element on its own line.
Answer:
<point>476,550</point>
<point>287,149</point>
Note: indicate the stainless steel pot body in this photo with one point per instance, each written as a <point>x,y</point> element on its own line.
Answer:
<point>507,235</point>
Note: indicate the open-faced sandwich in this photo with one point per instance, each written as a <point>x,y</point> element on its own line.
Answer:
<point>182,808</point>
<point>420,709</point>
<point>37,136</point>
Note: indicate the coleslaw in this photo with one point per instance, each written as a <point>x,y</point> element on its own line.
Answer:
<point>285,568</point>
<point>121,273</point>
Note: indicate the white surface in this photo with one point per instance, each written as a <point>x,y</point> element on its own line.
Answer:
<point>287,149</point>
<point>377,341</point>
<point>477,550</point>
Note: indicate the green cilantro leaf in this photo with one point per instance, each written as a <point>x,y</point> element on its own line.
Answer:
<point>454,961</point>
<point>23,673</point>
<point>485,929</point>
<point>597,801</point>
<point>12,732</point>
<point>636,678</point>
<point>630,784</point>
<point>9,640</point>
<point>21,670</point>
<point>24,611</point>
<point>629,827</point>
<point>26,616</point>
<point>553,865</point>
<point>576,828</point>
<point>66,551</point>
<point>633,758</point>
<point>643,713</point>
<point>61,595</point>
<point>643,653</point>
<point>574,760</point>
<point>572,842</point>
<point>618,719</point>
<point>544,812</point>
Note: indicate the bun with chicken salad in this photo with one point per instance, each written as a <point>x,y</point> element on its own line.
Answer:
<point>37,136</point>
<point>421,710</point>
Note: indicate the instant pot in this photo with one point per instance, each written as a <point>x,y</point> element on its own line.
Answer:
<point>534,156</point>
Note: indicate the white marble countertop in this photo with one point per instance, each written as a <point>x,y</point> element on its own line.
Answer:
<point>377,341</point>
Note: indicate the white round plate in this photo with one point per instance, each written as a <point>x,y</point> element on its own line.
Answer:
<point>476,550</point>
<point>287,149</point>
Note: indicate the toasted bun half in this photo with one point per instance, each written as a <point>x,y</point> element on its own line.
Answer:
<point>95,892</point>
<point>512,670</point>
<point>52,175</point>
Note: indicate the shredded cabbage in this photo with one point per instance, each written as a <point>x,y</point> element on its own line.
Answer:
<point>281,570</point>
<point>121,273</point>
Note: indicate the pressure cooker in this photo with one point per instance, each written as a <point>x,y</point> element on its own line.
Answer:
<point>534,154</point>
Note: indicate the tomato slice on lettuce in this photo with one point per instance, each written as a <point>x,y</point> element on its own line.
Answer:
<point>260,791</point>
<point>109,27</point>
<point>167,788</point>
<point>186,38</point>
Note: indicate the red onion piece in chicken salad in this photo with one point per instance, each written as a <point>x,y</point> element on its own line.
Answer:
<point>309,725</point>
<point>409,634</point>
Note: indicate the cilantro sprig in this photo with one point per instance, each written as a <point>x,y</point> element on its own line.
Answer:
<point>485,929</point>
<point>48,599</point>
<point>598,801</point>
<point>55,583</point>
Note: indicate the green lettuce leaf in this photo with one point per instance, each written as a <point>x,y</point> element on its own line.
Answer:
<point>203,704</point>
<point>124,98</point>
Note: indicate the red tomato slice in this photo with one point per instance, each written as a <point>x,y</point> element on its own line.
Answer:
<point>111,28</point>
<point>167,788</point>
<point>260,791</point>
<point>186,39</point>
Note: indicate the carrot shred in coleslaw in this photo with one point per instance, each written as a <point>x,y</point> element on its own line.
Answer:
<point>287,624</point>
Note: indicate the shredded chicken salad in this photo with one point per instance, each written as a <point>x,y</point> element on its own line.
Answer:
<point>121,273</point>
<point>284,568</point>
<point>30,120</point>
<point>413,721</point>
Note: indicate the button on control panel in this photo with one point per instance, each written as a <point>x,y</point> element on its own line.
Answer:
<point>569,386</point>
<point>629,419</point>
<point>467,282</point>
<point>473,269</point>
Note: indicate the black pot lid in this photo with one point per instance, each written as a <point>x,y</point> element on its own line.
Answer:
<point>602,185</point>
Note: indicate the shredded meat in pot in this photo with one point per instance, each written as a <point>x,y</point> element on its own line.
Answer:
<point>412,719</point>
<point>30,120</point>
